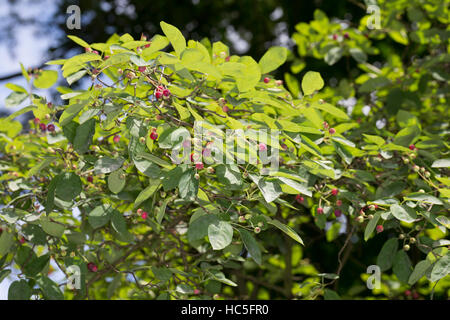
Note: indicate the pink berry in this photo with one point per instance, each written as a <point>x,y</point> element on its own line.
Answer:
<point>334,192</point>
<point>337,213</point>
<point>196,291</point>
<point>332,131</point>
<point>36,121</point>
<point>51,127</point>
<point>92,267</point>
<point>407,293</point>
<point>142,69</point>
<point>105,57</point>
<point>346,36</point>
<point>90,179</point>
<point>116,139</point>
<point>262,147</point>
<point>380,228</point>
<point>43,127</point>
<point>339,203</point>
<point>299,198</point>
<point>319,210</point>
<point>266,80</point>
<point>225,108</point>
<point>166,93</point>
<point>335,36</point>
<point>22,240</point>
<point>153,135</point>
<point>415,295</point>
<point>199,166</point>
<point>144,215</point>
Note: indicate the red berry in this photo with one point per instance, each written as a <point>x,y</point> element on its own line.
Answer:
<point>319,210</point>
<point>332,131</point>
<point>105,57</point>
<point>299,198</point>
<point>116,139</point>
<point>153,135</point>
<point>227,59</point>
<point>283,146</point>
<point>166,93</point>
<point>144,215</point>
<point>22,240</point>
<point>407,293</point>
<point>92,267</point>
<point>43,127</point>
<point>36,120</point>
<point>337,213</point>
<point>199,166</point>
<point>225,108</point>
<point>147,45</point>
<point>380,228</point>
<point>412,147</point>
<point>158,95</point>
<point>334,192</point>
<point>90,179</point>
<point>335,36</point>
<point>339,203</point>
<point>51,127</point>
<point>346,36</point>
<point>142,69</point>
<point>266,80</point>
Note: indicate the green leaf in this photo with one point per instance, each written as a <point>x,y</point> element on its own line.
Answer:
<point>15,98</point>
<point>403,213</point>
<point>286,229</point>
<point>252,245</point>
<point>272,59</point>
<point>162,211</point>
<point>297,186</point>
<point>46,79</point>
<point>119,224</point>
<point>387,254</point>
<point>333,55</point>
<point>79,41</point>
<point>198,228</point>
<point>229,175</point>
<point>406,136</point>
<point>419,271</point>
<point>83,136</point>
<point>331,295</point>
<point>371,226</point>
<point>422,197</point>
<point>220,234</point>
<point>441,268</point>
<point>188,185</point>
<point>20,112</point>
<point>52,228</point>
<point>19,290</point>
<point>68,186</point>
<point>6,241</point>
<point>107,164</point>
<point>172,178</point>
<point>50,289</point>
<point>147,192</point>
<point>312,81</point>
<point>100,216</point>
<point>359,55</point>
<point>70,113</point>
<point>402,266</point>
<point>36,265</point>
<point>175,37</point>
<point>270,189</point>
<point>116,181</point>
<point>441,163</point>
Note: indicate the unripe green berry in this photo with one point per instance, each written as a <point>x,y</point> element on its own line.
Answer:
<point>248,216</point>
<point>412,240</point>
<point>257,230</point>
<point>427,174</point>
<point>406,247</point>
<point>401,236</point>
<point>241,219</point>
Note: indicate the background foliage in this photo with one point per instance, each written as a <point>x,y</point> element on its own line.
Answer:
<point>367,147</point>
